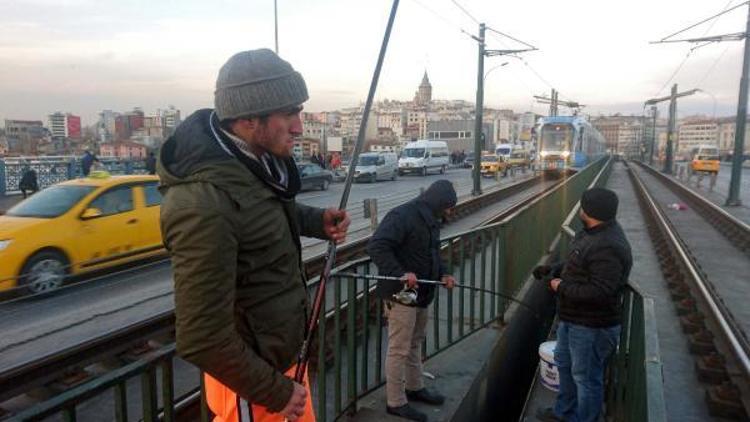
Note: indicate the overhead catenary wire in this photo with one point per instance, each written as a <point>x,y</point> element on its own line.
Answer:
<point>723,12</point>
<point>443,18</point>
<point>691,50</point>
<point>489,28</point>
<point>466,12</point>
<point>713,66</point>
<point>501,38</point>
<point>676,71</point>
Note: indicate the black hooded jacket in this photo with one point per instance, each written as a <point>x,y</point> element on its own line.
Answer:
<point>594,276</point>
<point>408,240</point>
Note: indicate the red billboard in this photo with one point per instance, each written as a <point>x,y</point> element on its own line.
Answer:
<point>74,126</point>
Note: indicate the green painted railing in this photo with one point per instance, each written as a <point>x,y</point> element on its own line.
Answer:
<point>635,391</point>
<point>351,343</point>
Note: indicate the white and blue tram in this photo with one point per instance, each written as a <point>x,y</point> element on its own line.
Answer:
<point>568,142</point>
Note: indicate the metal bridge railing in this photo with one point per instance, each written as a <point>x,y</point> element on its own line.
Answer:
<point>351,340</point>
<point>55,169</point>
<point>635,385</point>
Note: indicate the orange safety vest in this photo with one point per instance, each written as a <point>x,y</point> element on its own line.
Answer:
<point>227,406</point>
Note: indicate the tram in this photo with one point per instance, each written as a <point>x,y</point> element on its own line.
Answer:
<point>568,142</point>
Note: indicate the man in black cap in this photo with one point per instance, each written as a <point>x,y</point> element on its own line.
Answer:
<point>588,286</point>
<point>407,245</point>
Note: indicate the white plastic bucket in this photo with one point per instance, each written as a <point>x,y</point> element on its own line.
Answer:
<point>547,368</point>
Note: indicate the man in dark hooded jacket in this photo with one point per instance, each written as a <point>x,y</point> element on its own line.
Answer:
<point>407,245</point>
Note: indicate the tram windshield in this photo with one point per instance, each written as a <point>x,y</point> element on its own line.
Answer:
<point>556,137</point>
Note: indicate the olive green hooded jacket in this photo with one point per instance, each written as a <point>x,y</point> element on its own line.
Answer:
<point>240,297</point>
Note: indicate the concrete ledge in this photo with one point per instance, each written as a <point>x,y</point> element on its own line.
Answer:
<point>455,369</point>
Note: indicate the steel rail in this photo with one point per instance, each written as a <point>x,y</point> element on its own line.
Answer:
<point>732,334</point>
<point>705,207</point>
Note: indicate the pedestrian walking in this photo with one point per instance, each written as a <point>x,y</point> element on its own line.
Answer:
<point>589,285</point>
<point>407,245</point>
<point>87,161</point>
<point>232,227</point>
<point>28,181</point>
<point>151,163</point>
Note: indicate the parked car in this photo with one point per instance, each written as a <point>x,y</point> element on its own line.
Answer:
<point>468,161</point>
<point>492,164</point>
<point>374,166</point>
<point>78,226</point>
<point>313,176</point>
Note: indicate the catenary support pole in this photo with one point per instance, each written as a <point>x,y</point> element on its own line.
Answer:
<point>671,131</point>
<point>739,133</point>
<point>477,190</point>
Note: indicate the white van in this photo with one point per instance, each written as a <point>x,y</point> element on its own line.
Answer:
<point>422,156</point>
<point>504,150</point>
<point>374,166</point>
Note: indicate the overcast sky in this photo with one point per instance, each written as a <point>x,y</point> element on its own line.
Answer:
<point>83,56</point>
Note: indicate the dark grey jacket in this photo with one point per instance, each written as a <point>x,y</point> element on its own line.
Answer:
<point>594,276</point>
<point>408,240</point>
<point>240,297</point>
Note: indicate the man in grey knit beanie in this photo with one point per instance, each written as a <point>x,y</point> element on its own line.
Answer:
<point>257,83</point>
<point>232,227</point>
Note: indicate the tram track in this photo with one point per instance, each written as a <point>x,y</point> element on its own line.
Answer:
<point>712,320</point>
<point>38,372</point>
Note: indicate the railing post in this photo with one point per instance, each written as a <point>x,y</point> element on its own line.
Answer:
<point>322,396</point>
<point>351,358</point>
<point>148,394</point>
<point>71,169</point>
<point>3,188</point>
<point>371,212</point>
<point>121,402</point>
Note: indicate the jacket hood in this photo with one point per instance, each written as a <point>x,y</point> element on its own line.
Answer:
<point>439,196</point>
<point>200,151</point>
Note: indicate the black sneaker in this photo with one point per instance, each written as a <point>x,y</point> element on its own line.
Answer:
<point>547,414</point>
<point>407,412</point>
<point>425,396</point>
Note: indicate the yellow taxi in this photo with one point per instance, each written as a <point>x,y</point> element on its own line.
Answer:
<point>705,159</point>
<point>78,226</point>
<point>492,164</point>
<point>519,158</point>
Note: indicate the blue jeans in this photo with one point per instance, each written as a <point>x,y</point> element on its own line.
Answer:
<point>581,356</point>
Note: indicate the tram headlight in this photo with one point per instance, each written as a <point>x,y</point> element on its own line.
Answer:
<point>4,244</point>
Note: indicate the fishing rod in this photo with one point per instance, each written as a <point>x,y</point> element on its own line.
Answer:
<point>437,283</point>
<point>312,323</point>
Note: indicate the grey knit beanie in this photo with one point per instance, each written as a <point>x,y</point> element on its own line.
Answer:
<point>256,83</point>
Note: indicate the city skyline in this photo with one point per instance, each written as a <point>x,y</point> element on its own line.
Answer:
<point>82,56</point>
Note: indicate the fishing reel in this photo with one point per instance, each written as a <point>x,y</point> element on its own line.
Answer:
<point>406,296</point>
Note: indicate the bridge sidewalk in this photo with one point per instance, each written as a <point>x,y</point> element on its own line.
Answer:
<point>454,370</point>
<point>8,201</point>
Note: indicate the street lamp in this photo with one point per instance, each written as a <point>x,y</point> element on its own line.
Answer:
<point>493,68</point>
<point>713,98</point>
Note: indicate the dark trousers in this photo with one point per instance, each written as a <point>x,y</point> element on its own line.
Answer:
<point>581,356</point>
